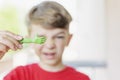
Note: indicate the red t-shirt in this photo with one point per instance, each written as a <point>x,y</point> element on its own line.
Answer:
<point>34,72</point>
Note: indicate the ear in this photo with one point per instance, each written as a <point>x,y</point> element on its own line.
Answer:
<point>69,39</point>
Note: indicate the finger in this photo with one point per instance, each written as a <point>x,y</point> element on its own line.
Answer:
<point>18,37</point>
<point>3,48</point>
<point>8,43</point>
<point>1,54</point>
<point>15,42</point>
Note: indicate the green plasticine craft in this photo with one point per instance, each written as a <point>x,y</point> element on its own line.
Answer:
<point>37,40</point>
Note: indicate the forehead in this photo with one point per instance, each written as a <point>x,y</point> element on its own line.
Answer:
<point>39,29</point>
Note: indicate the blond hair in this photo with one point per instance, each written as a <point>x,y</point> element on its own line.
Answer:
<point>49,14</point>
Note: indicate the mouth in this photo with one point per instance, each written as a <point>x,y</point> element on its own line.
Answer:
<point>49,55</point>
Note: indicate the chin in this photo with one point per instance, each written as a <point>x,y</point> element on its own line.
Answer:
<point>51,62</point>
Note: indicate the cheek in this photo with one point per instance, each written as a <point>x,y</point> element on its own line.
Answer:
<point>37,48</point>
<point>60,45</point>
<point>61,42</point>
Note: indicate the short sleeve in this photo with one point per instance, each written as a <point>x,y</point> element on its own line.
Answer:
<point>16,74</point>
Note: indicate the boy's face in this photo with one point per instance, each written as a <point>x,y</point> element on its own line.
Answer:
<point>56,40</point>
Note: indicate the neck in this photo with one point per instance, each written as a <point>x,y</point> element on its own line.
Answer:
<point>52,68</point>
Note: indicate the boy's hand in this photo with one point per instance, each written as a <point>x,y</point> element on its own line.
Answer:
<point>8,41</point>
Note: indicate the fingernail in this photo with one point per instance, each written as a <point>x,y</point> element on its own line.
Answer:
<point>20,46</point>
<point>19,37</point>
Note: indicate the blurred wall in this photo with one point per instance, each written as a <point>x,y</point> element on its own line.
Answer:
<point>113,27</point>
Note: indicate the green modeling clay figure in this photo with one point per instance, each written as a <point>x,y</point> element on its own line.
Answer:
<point>37,40</point>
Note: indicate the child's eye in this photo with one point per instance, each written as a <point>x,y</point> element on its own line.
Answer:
<point>60,37</point>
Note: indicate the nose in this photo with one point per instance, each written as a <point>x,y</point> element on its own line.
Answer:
<point>50,44</point>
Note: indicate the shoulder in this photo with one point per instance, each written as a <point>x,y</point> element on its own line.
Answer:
<point>23,68</point>
<point>19,72</point>
<point>78,74</point>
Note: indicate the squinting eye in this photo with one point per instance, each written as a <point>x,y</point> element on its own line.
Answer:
<point>60,37</point>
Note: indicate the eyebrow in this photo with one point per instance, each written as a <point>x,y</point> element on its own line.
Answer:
<point>60,33</point>
<point>40,35</point>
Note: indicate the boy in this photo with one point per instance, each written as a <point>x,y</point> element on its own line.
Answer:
<point>51,20</point>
